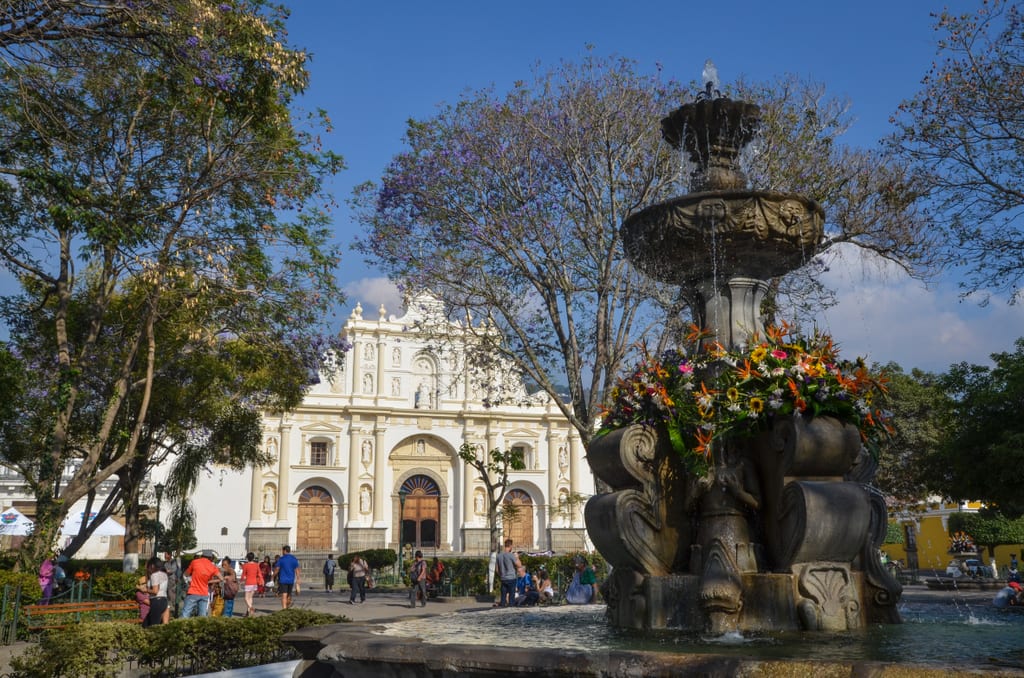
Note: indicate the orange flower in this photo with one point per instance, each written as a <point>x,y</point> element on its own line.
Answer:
<point>745,372</point>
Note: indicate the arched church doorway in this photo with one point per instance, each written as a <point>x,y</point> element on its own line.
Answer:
<point>316,512</point>
<point>421,512</point>
<point>517,519</point>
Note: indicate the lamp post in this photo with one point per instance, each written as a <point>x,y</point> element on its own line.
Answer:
<point>402,494</point>
<point>159,488</point>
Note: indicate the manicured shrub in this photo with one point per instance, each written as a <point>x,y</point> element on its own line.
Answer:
<point>115,585</point>
<point>183,647</point>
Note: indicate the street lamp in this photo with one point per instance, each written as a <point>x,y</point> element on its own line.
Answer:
<point>159,488</point>
<point>402,494</point>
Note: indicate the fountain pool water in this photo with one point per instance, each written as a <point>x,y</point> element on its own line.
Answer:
<point>936,631</point>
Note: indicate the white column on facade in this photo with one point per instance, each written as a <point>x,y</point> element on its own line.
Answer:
<point>468,483</point>
<point>336,452</point>
<point>303,449</point>
<point>379,490</point>
<point>552,464</point>
<point>256,495</point>
<point>354,469</point>
<point>576,464</point>
<point>356,357</point>
<point>283,489</point>
<point>381,386</point>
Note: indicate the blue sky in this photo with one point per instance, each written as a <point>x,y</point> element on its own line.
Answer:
<point>377,64</point>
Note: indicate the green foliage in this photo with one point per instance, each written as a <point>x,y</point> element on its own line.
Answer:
<point>86,650</point>
<point>116,585</point>
<point>893,533</point>
<point>203,644</point>
<point>921,419</point>
<point>988,529</point>
<point>981,456</point>
<point>29,583</point>
<point>468,575</point>
<point>375,558</point>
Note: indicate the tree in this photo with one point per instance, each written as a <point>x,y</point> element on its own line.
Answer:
<point>509,208</point>
<point>920,413</point>
<point>964,135</point>
<point>983,453</point>
<point>493,468</point>
<point>162,214</point>
<point>989,529</point>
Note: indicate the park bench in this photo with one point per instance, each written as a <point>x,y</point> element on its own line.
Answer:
<point>60,615</point>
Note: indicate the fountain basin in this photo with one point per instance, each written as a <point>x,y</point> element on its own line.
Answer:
<point>699,236</point>
<point>944,635</point>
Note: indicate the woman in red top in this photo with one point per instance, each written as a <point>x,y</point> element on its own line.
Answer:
<point>252,579</point>
<point>267,570</point>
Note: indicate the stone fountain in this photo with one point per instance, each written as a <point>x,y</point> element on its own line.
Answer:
<point>783,532</point>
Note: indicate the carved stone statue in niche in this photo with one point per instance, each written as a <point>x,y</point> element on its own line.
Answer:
<point>269,499</point>
<point>563,462</point>
<point>369,352</point>
<point>367,384</point>
<point>272,449</point>
<point>396,386</point>
<point>366,453</point>
<point>478,502</point>
<point>421,447</point>
<point>396,357</point>
<point>365,498</point>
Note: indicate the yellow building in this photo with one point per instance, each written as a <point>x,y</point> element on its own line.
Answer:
<point>926,539</point>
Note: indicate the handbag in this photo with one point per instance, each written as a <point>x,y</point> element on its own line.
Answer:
<point>229,589</point>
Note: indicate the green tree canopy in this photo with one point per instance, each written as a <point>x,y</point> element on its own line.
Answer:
<point>163,210</point>
<point>920,410</point>
<point>982,457</point>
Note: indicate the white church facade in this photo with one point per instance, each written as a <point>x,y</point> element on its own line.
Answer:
<point>370,458</point>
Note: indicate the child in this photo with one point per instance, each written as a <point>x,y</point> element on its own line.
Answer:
<point>142,597</point>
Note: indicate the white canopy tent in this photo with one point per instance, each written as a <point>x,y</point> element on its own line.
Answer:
<point>14,523</point>
<point>108,528</point>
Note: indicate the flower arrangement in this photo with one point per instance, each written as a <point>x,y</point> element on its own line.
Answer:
<point>961,542</point>
<point>705,396</point>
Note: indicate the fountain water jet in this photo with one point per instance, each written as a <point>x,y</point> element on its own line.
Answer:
<point>783,531</point>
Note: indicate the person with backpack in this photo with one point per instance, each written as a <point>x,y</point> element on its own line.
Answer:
<point>418,576</point>
<point>329,566</point>
<point>229,586</point>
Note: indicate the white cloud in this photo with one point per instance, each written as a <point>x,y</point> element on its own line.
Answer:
<point>886,316</point>
<point>371,293</point>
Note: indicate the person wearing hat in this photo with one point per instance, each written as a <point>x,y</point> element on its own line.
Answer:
<point>418,576</point>
<point>200,573</point>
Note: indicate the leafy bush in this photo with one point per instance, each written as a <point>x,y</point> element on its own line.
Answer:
<point>375,558</point>
<point>116,585</point>
<point>29,583</point>
<point>183,647</point>
<point>87,650</point>
<point>893,533</point>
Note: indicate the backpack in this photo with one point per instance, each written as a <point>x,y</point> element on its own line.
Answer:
<point>229,589</point>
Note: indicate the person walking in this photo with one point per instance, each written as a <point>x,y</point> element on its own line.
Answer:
<point>172,568</point>
<point>252,580</point>
<point>506,567</point>
<point>46,569</point>
<point>288,576</point>
<point>358,571</point>
<point>329,567</point>
<point>418,576</point>
<point>200,573</point>
<point>267,570</point>
<point>156,587</point>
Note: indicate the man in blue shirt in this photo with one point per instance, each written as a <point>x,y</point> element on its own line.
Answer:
<point>526,591</point>
<point>288,576</point>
